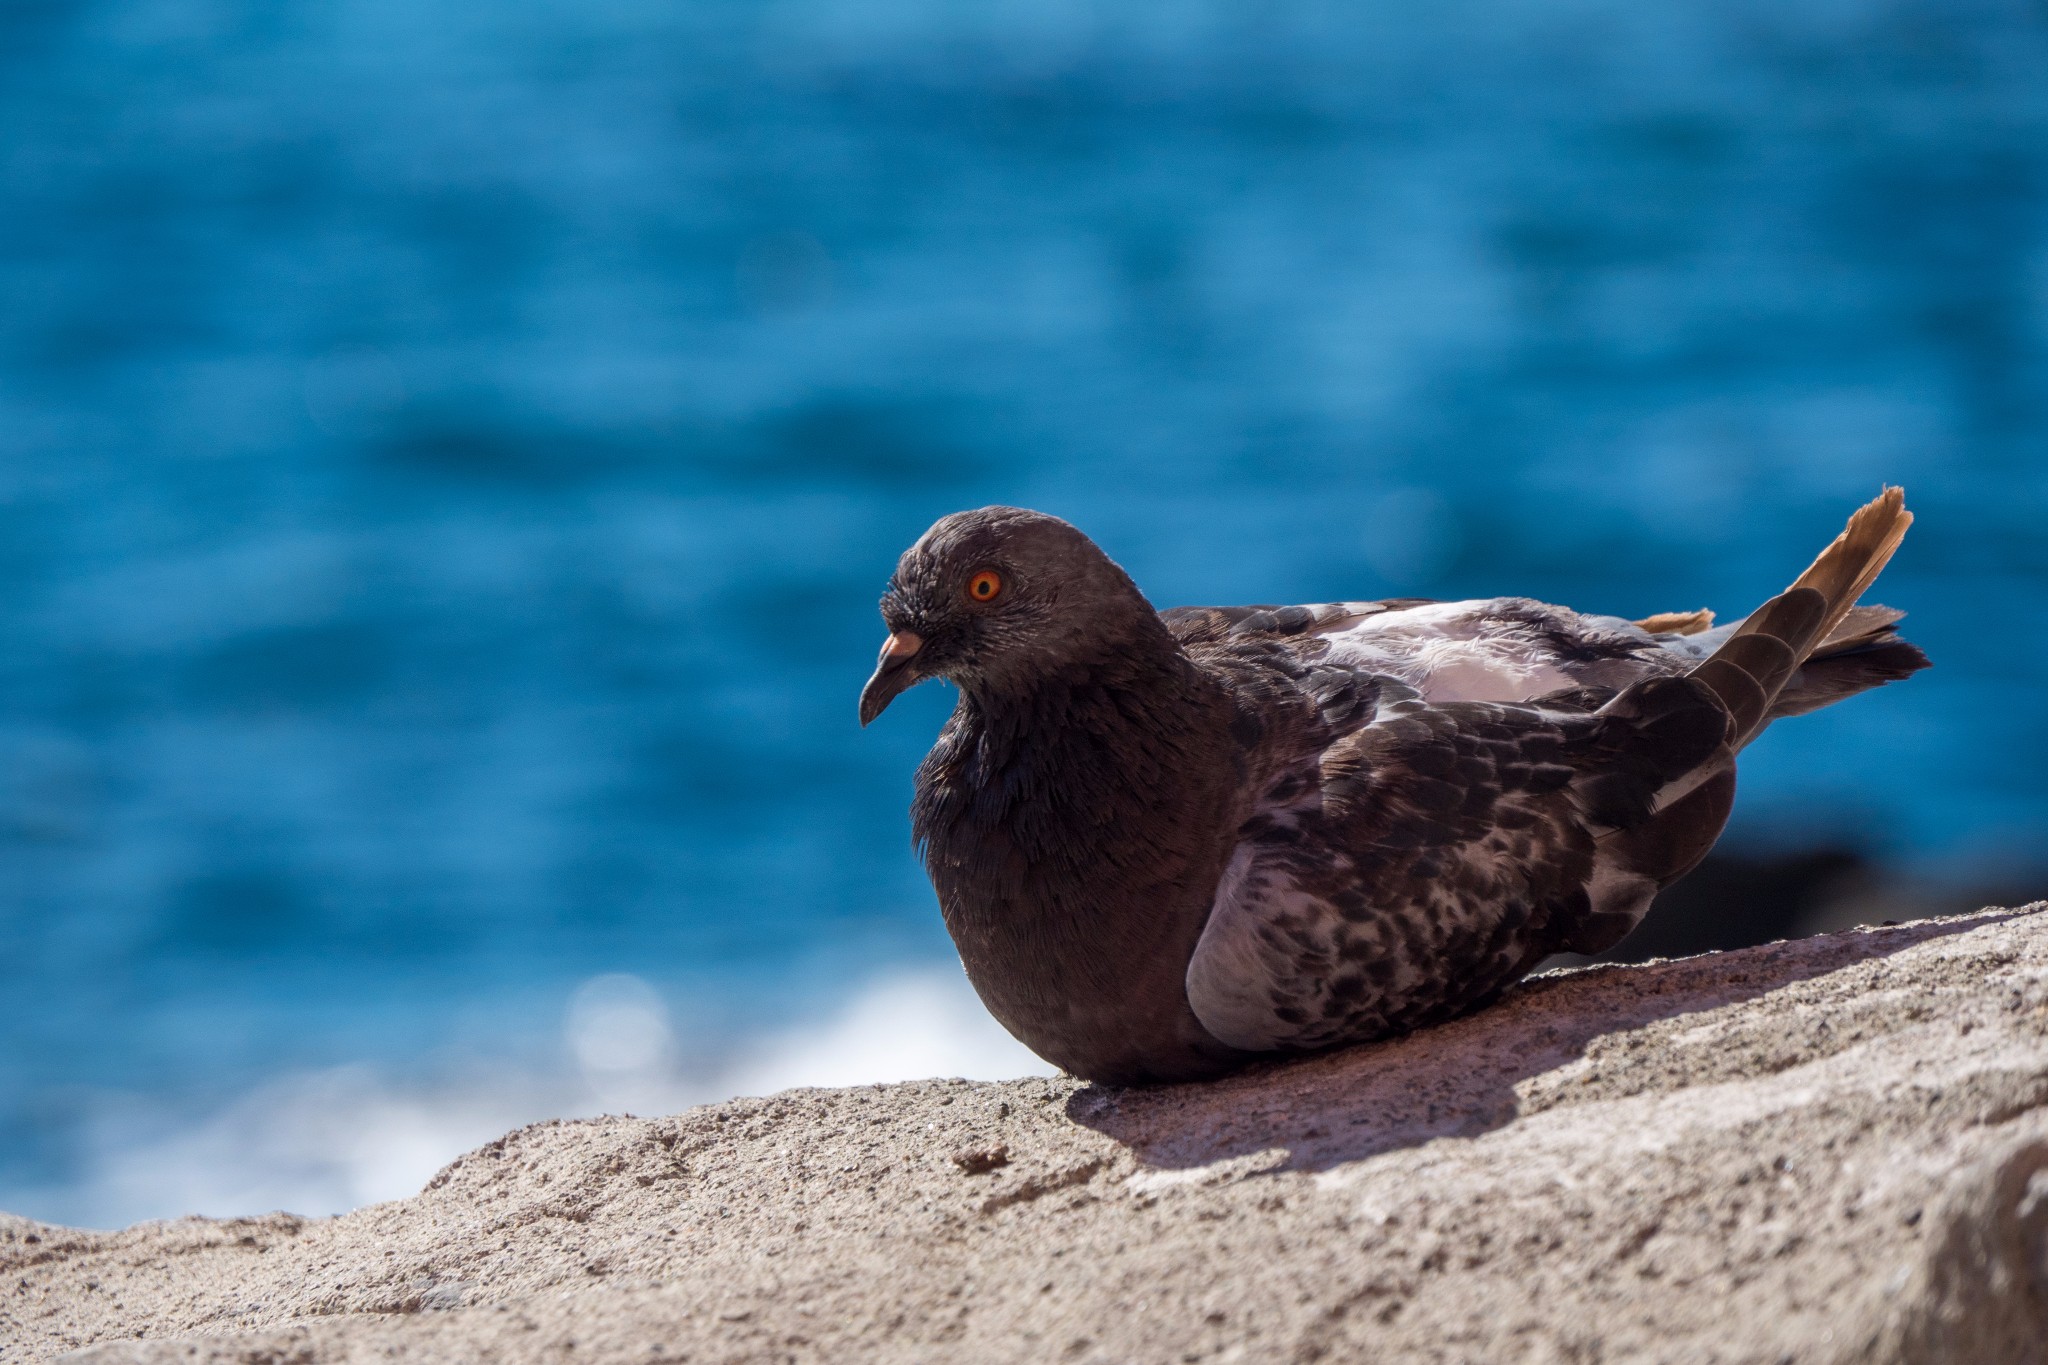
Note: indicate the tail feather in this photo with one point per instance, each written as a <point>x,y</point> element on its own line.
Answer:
<point>1817,614</point>
<point>1846,569</point>
<point>1861,627</point>
<point>1827,678</point>
<point>1678,622</point>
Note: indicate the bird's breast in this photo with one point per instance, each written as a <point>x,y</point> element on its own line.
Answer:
<point>1075,873</point>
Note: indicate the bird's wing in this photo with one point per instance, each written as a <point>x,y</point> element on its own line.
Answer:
<point>1486,649</point>
<point>1425,859</point>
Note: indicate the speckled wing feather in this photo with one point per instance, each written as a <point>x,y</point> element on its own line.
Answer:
<point>1441,794</point>
<point>1414,859</point>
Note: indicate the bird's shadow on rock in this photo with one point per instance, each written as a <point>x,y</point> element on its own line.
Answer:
<point>1458,1079</point>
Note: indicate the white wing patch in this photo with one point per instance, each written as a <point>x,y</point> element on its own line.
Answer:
<point>1450,651</point>
<point>1499,649</point>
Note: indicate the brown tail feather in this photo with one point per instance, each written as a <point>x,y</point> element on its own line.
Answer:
<point>1828,677</point>
<point>1678,622</point>
<point>1847,568</point>
<point>1753,665</point>
<point>1861,627</point>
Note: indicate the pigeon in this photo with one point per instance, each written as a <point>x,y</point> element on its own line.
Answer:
<point>1170,843</point>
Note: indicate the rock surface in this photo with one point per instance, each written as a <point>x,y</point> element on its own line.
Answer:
<point>1827,1150</point>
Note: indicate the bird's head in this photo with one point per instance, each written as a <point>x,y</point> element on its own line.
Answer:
<point>992,598</point>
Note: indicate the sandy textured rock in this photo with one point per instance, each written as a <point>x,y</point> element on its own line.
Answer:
<point>1827,1150</point>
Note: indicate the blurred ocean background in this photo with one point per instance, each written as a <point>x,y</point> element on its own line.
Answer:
<point>449,454</point>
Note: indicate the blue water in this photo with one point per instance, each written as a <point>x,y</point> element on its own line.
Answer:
<point>449,453</point>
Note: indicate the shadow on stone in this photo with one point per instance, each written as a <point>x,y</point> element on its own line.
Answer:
<point>1458,1079</point>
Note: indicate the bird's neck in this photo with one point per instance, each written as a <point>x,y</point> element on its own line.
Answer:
<point>1074,830</point>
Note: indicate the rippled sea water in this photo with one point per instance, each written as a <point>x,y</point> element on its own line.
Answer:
<point>449,455</point>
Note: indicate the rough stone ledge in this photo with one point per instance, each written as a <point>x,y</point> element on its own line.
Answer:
<point>1834,1149</point>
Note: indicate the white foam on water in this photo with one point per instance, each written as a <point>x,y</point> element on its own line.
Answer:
<point>311,1142</point>
<point>901,1028</point>
<point>327,1141</point>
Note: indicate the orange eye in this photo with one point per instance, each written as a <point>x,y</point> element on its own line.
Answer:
<point>985,586</point>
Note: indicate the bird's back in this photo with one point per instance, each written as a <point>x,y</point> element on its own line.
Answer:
<point>1509,649</point>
